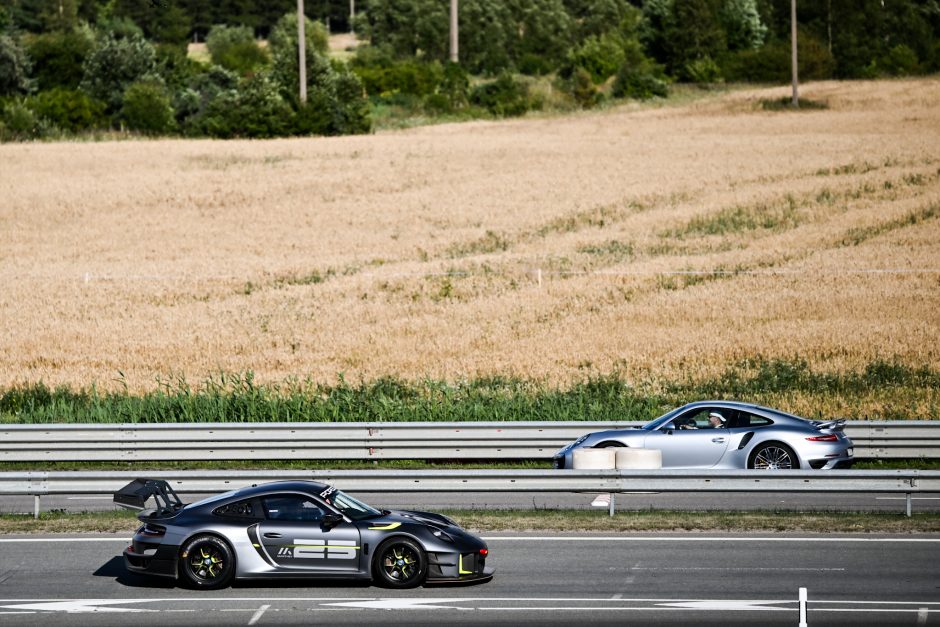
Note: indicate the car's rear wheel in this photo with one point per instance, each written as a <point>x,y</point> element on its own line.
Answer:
<point>773,456</point>
<point>400,563</point>
<point>207,562</point>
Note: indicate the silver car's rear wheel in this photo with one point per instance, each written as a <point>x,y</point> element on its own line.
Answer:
<point>774,457</point>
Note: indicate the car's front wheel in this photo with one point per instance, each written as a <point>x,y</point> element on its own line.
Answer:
<point>400,563</point>
<point>773,456</point>
<point>207,562</point>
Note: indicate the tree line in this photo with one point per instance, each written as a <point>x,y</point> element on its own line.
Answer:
<point>72,65</point>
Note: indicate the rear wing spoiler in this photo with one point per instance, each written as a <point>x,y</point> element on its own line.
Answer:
<point>135,494</point>
<point>832,425</point>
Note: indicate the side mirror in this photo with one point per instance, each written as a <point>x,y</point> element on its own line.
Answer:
<point>330,520</point>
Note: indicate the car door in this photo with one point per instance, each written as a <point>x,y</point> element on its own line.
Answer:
<point>297,538</point>
<point>689,440</point>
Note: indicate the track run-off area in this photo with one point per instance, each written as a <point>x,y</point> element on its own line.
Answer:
<point>734,578</point>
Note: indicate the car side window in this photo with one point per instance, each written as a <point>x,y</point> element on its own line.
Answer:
<point>239,509</point>
<point>292,507</point>
<point>752,420</point>
<point>698,419</point>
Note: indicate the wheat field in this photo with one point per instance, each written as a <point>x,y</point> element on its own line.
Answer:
<point>657,242</point>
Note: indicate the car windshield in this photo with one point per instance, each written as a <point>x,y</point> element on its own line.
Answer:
<point>352,508</point>
<point>659,422</point>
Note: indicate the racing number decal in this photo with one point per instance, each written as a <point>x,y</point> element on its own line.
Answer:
<point>304,548</point>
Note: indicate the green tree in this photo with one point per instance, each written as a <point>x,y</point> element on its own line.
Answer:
<point>235,48</point>
<point>487,40</point>
<point>68,109</point>
<point>147,108</point>
<point>546,31</point>
<point>58,57</point>
<point>15,67</point>
<point>743,26</point>
<point>114,65</point>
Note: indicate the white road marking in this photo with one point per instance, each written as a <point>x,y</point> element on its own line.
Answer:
<point>729,539</point>
<point>86,605</point>
<point>583,608</point>
<point>725,605</point>
<point>401,604</point>
<point>742,568</point>
<point>922,616</point>
<point>257,615</point>
<point>89,498</point>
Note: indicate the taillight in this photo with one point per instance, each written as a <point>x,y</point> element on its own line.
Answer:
<point>484,552</point>
<point>823,438</point>
<point>149,529</point>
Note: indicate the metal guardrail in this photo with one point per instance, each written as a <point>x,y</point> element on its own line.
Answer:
<point>907,482</point>
<point>375,440</point>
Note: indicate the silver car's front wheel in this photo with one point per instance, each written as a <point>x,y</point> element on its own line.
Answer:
<point>774,457</point>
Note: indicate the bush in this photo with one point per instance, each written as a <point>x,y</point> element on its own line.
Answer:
<point>176,68</point>
<point>235,48</point>
<point>771,63</point>
<point>504,96</point>
<point>703,71</point>
<point>147,108</point>
<point>453,90</point>
<point>69,109</point>
<point>899,61</point>
<point>638,82</point>
<point>409,77</point>
<point>256,109</point>
<point>114,65</point>
<point>583,89</point>
<point>14,67</point>
<point>18,122</point>
<point>58,57</point>
<point>192,101</point>
<point>600,57</point>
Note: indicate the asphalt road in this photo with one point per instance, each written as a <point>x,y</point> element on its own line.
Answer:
<point>541,500</point>
<point>557,579</point>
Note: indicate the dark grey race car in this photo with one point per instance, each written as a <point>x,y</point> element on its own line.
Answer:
<point>295,529</point>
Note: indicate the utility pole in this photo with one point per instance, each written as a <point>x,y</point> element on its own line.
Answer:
<point>302,50</point>
<point>453,31</point>
<point>793,60</point>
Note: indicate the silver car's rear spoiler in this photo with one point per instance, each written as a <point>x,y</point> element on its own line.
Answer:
<point>135,494</point>
<point>831,425</point>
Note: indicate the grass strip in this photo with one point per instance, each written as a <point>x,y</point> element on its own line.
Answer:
<point>558,520</point>
<point>313,465</point>
<point>894,391</point>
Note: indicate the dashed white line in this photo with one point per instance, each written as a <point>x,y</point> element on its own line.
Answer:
<point>257,615</point>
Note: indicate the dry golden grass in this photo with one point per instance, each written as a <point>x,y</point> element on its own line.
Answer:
<point>417,253</point>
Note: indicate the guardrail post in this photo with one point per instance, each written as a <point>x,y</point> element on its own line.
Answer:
<point>36,506</point>
<point>611,510</point>
<point>908,504</point>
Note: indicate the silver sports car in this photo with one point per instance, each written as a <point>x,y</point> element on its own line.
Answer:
<point>726,434</point>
